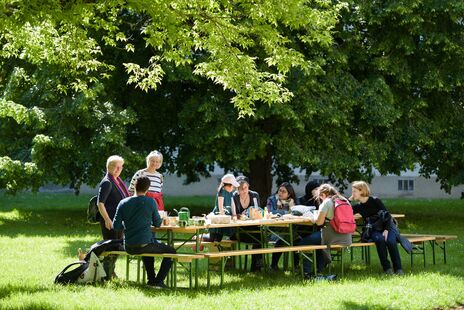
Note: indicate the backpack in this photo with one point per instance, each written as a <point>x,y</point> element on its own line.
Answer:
<point>87,272</point>
<point>90,269</point>
<point>92,211</point>
<point>66,277</point>
<point>343,220</point>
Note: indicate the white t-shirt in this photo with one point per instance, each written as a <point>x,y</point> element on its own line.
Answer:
<point>156,181</point>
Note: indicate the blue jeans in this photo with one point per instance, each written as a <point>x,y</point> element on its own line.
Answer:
<point>313,239</point>
<point>382,245</point>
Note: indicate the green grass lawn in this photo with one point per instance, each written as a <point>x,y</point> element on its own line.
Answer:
<point>40,234</point>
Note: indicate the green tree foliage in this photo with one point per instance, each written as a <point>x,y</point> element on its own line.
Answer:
<point>62,60</point>
<point>257,87</point>
<point>411,52</point>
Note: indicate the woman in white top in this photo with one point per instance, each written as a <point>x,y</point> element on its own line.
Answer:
<point>154,162</point>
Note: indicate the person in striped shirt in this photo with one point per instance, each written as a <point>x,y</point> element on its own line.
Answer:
<point>154,162</point>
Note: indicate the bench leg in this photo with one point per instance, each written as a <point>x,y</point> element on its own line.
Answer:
<point>208,275</point>
<point>127,267</point>
<point>315,262</point>
<point>368,254</point>
<point>412,256</point>
<point>190,274</point>
<point>423,252</point>
<point>444,251</point>
<point>432,244</point>
<point>174,277</point>
<point>300,255</point>
<point>144,273</point>
<point>223,263</point>
<point>138,269</point>
<point>342,260</point>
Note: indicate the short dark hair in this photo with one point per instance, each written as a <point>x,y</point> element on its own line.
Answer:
<point>142,184</point>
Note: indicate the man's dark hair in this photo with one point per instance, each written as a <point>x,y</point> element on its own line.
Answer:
<point>142,184</point>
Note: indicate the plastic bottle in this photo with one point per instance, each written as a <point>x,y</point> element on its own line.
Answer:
<point>265,214</point>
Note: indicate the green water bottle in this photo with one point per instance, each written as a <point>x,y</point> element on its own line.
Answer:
<point>265,213</point>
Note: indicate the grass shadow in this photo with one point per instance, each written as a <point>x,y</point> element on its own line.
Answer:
<point>45,223</point>
<point>9,289</point>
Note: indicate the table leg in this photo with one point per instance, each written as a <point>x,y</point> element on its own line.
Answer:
<point>290,254</point>
<point>198,244</point>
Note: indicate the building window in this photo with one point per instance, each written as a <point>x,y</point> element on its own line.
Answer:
<point>406,185</point>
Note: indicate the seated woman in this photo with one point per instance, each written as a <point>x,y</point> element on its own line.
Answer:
<point>384,233</point>
<point>280,203</point>
<point>309,199</point>
<point>327,194</point>
<point>283,200</point>
<point>154,162</point>
<point>247,206</point>
<point>224,205</point>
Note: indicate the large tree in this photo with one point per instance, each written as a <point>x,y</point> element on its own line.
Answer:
<point>258,87</point>
<point>62,64</point>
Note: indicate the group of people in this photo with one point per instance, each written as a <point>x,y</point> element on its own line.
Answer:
<point>130,213</point>
<point>239,203</point>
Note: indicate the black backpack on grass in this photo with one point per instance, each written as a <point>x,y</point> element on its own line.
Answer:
<point>67,277</point>
<point>72,276</point>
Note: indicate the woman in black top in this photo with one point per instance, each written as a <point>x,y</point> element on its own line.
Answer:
<point>246,203</point>
<point>383,233</point>
<point>244,198</point>
<point>310,192</point>
<point>110,192</point>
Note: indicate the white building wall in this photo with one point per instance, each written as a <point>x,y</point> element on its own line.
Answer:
<point>381,186</point>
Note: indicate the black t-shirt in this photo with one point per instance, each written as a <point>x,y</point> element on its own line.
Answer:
<point>371,207</point>
<point>254,201</point>
<point>109,194</point>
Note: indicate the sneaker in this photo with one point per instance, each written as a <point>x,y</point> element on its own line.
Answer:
<point>308,276</point>
<point>389,271</point>
<point>158,286</point>
<point>331,277</point>
<point>399,272</point>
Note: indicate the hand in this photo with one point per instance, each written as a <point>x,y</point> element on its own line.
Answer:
<point>385,234</point>
<point>108,224</point>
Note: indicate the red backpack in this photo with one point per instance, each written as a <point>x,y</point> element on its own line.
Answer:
<point>343,220</point>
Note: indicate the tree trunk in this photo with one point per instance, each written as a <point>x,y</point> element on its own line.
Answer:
<point>261,176</point>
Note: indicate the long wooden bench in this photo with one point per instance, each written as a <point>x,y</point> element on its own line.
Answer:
<point>418,242</point>
<point>419,246</point>
<point>177,258</point>
<point>226,254</point>
<point>440,241</point>
<point>224,244</point>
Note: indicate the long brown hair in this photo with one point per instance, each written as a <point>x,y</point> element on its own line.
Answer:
<point>329,190</point>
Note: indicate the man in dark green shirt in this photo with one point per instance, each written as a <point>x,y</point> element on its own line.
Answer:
<point>136,215</point>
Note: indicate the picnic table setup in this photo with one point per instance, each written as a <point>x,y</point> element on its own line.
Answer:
<point>187,237</point>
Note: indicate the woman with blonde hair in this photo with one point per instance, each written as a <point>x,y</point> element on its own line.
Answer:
<point>384,232</point>
<point>154,162</point>
<point>327,235</point>
<point>110,192</point>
